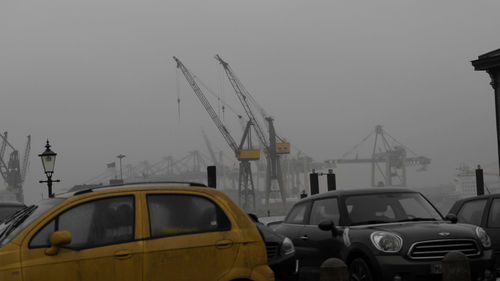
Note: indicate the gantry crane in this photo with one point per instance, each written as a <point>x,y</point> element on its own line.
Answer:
<point>394,157</point>
<point>272,148</point>
<point>245,183</point>
<point>14,172</point>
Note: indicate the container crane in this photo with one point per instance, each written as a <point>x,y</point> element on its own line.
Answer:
<point>13,171</point>
<point>394,157</point>
<point>271,147</point>
<point>246,189</point>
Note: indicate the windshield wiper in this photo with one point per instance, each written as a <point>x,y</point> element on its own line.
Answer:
<point>16,220</point>
<point>370,222</point>
<point>417,219</point>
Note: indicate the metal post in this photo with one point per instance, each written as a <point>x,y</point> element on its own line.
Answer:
<point>212,176</point>
<point>49,182</point>
<point>497,111</point>
<point>313,178</point>
<point>330,180</point>
<point>479,181</point>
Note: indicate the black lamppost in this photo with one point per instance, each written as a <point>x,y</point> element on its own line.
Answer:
<point>490,62</point>
<point>48,161</point>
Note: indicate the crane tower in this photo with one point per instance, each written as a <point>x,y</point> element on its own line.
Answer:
<point>245,183</point>
<point>14,171</point>
<point>273,149</point>
<point>393,157</point>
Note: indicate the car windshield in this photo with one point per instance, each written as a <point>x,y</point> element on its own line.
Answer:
<point>6,211</point>
<point>390,207</point>
<point>13,225</point>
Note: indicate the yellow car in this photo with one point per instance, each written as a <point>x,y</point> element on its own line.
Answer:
<point>135,232</point>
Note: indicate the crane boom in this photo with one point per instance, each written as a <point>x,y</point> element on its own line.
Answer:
<point>244,156</point>
<point>3,146</point>
<point>4,169</point>
<point>242,95</point>
<point>273,171</point>
<point>208,107</point>
<point>26,159</point>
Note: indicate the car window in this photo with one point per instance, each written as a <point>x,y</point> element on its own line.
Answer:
<point>471,212</point>
<point>323,210</point>
<point>297,214</point>
<point>41,239</point>
<point>175,214</point>
<point>494,220</point>
<point>91,224</point>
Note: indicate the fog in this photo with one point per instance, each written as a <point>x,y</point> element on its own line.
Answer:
<point>97,79</point>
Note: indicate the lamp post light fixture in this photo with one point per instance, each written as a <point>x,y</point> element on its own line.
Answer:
<point>48,160</point>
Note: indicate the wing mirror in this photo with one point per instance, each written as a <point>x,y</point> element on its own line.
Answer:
<point>452,218</point>
<point>328,225</point>
<point>58,239</point>
<point>253,217</point>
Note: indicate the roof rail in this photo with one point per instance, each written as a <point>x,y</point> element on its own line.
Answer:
<point>87,190</point>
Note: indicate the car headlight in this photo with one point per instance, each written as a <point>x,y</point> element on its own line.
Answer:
<point>483,237</point>
<point>287,247</point>
<point>386,241</point>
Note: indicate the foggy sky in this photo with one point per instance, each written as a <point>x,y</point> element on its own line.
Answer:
<point>97,78</point>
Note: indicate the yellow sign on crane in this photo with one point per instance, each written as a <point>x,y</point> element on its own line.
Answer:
<point>250,154</point>
<point>283,147</point>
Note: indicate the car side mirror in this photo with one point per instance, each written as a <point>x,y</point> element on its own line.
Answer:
<point>328,225</point>
<point>253,217</point>
<point>58,239</point>
<point>452,218</point>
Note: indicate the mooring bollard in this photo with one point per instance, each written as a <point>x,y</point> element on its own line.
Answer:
<point>333,270</point>
<point>456,267</point>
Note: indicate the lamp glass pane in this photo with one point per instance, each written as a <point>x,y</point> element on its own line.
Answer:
<point>48,163</point>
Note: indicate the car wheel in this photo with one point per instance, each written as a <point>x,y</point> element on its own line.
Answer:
<point>359,271</point>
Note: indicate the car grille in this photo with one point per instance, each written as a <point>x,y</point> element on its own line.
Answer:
<point>437,249</point>
<point>272,250</point>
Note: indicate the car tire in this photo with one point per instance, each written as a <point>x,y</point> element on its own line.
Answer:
<point>359,270</point>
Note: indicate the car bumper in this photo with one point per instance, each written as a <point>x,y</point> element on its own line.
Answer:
<point>395,267</point>
<point>285,268</point>
<point>262,273</point>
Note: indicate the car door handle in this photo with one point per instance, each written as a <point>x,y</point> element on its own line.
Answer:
<point>304,237</point>
<point>123,254</point>
<point>223,244</point>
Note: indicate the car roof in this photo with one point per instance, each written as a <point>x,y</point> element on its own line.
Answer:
<point>357,191</point>
<point>135,186</point>
<point>486,196</point>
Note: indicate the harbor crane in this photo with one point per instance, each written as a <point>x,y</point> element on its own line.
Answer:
<point>394,157</point>
<point>14,171</point>
<point>272,148</point>
<point>246,188</point>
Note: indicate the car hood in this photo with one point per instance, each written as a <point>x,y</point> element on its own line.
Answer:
<point>419,231</point>
<point>269,235</point>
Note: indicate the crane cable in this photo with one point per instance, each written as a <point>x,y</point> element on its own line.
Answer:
<point>199,81</point>
<point>396,141</point>
<point>177,88</point>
